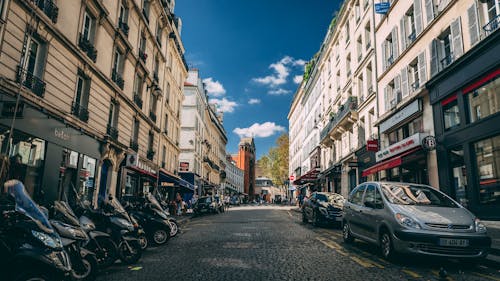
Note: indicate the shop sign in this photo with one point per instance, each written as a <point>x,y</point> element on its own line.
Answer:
<point>429,143</point>
<point>400,116</point>
<point>62,133</point>
<point>372,145</point>
<point>399,147</point>
<point>352,164</point>
<point>8,109</point>
<point>167,184</point>
<point>132,160</point>
<point>144,166</point>
<point>184,166</point>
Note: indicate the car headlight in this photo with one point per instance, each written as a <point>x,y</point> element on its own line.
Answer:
<point>480,227</point>
<point>405,220</point>
<point>323,210</point>
<point>47,240</point>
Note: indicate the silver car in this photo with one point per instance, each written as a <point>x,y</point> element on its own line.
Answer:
<point>413,219</point>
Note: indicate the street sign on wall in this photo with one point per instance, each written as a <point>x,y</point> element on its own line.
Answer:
<point>382,7</point>
<point>372,145</point>
<point>292,177</point>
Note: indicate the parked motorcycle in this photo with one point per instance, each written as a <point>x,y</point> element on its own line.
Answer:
<point>28,240</point>
<point>150,215</point>
<point>115,221</point>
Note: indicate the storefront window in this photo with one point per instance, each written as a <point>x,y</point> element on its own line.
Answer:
<point>459,175</point>
<point>451,115</point>
<point>87,178</point>
<point>488,168</point>
<point>130,187</point>
<point>484,101</point>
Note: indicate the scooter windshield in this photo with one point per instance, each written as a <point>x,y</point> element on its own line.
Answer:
<point>117,206</point>
<point>154,203</point>
<point>26,206</point>
<point>62,208</point>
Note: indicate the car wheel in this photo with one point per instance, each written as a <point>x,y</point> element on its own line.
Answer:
<point>386,246</point>
<point>346,233</point>
<point>304,217</point>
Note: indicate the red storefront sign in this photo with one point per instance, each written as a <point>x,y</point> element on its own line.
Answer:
<point>372,145</point>
<point>184,166</point>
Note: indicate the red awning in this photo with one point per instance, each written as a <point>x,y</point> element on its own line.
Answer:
<point>310,176</point>
<point>388,164</point>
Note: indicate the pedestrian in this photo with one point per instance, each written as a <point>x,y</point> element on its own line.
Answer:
<point>178,202</point>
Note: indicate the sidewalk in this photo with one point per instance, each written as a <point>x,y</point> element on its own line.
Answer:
<point>494,232</point>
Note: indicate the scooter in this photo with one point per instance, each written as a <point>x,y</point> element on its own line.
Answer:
<point>30,248</point>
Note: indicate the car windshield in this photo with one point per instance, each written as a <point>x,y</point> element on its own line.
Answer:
<point>331,198</point>
<point>406,194</point>
<point>204,200</point>
<point>26,206</point>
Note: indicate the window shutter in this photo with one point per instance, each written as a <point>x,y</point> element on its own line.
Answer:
<point>395,49</point>
<point>456,36</point>
<point>417,10</point>
<point>429,10</point>
<point>403,33</point>
<point>434,58</point>
<point>422,73</point>
<point>384,59</point>
<point>386,99</point>
<point>404,82</point>
<point>397,89</point>
<point>442,5</point>
<point>473,24</point>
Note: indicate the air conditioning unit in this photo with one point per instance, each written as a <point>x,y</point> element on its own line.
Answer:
<point>132,159</point>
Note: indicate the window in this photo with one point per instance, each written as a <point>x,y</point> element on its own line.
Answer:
<point>390,49</point>
<point>357,11</point>
<point>348,65</point>
<point>163,156</point>
<point>407,28</point>
<point>484,101</point>
<point>123,18</point>
<point>356,196</point>
<point>459,174</point>
<point>451,114</point>
<point>138,88</point>
<point>165,129</point>
<point>31,70</point>
<point>88,28</point>
<point>117,73</point>
<point>145,9</point>
<point>152,106</point>
<point>3,10</point>
<point>359,45</point>
<point>112,129</point>
<point>488,170</point>
<point>347,31</point>
<point>367,36</point>
<point>134,142</point>
<point>446,47</point>
<point>167,93</point>
<point>151,152</point>
<point>156,67</point>
<point>80,103</point>
<point>158,33</point>
<point>372,196</point>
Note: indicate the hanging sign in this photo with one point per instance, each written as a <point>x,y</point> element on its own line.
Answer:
<point>429,143</point>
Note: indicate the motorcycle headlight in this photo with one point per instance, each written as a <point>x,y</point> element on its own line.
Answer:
<point>323,210</point>
<point>406,221</point>
<point>480,227</point>
<point>49,241</point>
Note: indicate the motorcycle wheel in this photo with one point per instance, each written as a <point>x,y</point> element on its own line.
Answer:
<point>174,228</point>
<point>143,240</point>
<point>160,236</point>
<point>107,254</point>
<point>89,270</point>
<point>130,256</point>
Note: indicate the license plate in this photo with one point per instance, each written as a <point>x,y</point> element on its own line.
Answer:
<point>453,242</point>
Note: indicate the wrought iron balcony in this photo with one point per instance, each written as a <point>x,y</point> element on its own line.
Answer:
<point>152,115</point>
<point>112,132</point>
<point>151,154</point>
<point>134,145</point>
<point>155,76</point>
<point>447,60</point>
<point>138,100</point>
<point>143,56</point>
<point>48,7</point>
<point>87,47</point>
<point>117,78</point>
<point>30,81</point>
<point>124,28</point>
<point>347,111</point>
<point>80,111</point>
<point>492,25</point>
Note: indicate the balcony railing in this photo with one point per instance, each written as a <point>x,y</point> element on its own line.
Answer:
<point>415,85</point>
<point>155,76</point>
<point>138,100</point>
<point>492,25</point>
<point>87,47</point>
<point>117,78</point>
<point>150,154</point>
<point>143,56</point>
<point>48,7</point>
<point>134,145</point>
<point>80,111</point>
<point>30,81</point>
<point>447,60</point>
<point>124,28</point>
<point>346,108</point>
<point>152,115</point>
<point>112,132</point>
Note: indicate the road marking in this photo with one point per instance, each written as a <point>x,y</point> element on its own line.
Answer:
<point>332,245</point>
<point>361,262</point>
<point>486,276</point>
<point>412,273</point>
<point>289,214</point>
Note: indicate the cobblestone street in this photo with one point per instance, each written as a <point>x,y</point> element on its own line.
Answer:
<point>271,243</point>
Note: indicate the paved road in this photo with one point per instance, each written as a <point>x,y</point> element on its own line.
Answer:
<point>271,243</point>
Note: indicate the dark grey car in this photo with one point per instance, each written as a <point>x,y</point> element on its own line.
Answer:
<point>411,218</point>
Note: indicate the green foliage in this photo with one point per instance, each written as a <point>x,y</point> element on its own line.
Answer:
<point>274,165</point>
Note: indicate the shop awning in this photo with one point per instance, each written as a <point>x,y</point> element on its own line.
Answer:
<point>388,164</point>
<point>167,180</point>
<point>310,176</point>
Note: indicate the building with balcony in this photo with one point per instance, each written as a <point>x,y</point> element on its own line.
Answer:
<point>296,134</point>
<point>83,100</point>
<point>235,178</point>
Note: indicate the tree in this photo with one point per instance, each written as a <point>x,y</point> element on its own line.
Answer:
<point>274,165</point>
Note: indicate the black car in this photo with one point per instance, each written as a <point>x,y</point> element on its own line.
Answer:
<point>323,208</point>
<point>205,204</point>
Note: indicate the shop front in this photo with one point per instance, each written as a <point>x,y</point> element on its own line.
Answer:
<point>137,177</point>
<point>466,103</point>
<point>52,159</point>
<point>332,178</point>
<point>170,185</point>
<point>366,158</point>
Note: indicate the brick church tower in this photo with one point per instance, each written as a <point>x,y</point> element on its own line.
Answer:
<point>245,160</point>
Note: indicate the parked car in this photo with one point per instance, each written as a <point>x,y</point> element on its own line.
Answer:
<point>205,204</point>
<point>413,219</point>
<point>323,207</point>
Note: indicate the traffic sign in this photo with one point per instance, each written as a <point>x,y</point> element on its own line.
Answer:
<point>292,177</point>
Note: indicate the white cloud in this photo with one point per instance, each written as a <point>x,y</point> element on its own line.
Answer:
<point>224,105</point>
<point>214,88</point>
<point>297,79</point>
<point>281,71</point>
<point>277,92</point>
<point>257,130</point>
<point>253,101</point>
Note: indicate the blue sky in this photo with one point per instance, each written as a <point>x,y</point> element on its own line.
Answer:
<point>250,53</point>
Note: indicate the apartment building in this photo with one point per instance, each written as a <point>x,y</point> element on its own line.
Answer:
<point>235,178</point>
<point>88,85</point>
<point>295,132</point>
